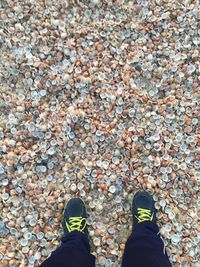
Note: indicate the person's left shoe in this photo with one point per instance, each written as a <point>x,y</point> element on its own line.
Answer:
<point>75,215</point>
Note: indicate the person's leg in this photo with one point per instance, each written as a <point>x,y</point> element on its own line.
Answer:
<point>144,247</point>
<point>75,249</point>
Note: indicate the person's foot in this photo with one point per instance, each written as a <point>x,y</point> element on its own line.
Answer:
<point>75,215</point>
<point>143,208</point>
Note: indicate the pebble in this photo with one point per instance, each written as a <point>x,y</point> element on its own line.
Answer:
<point>98,112</point>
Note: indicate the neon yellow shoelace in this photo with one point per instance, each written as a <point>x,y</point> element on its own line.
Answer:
<point>144,215</point>
<point>76,223</point>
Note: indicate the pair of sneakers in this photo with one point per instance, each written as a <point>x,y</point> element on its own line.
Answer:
<point>75,214</point>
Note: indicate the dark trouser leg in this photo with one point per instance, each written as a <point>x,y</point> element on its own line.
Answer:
<point>145,248</point>
<point>73,252</point>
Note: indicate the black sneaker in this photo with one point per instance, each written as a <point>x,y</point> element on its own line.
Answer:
<point>143,208</point>
<point>75,215</point>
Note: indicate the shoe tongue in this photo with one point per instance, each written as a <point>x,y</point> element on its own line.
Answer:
<point>144,203</point>
<point>75,210</point>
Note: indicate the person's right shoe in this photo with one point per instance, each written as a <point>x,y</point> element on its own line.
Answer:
<point>143,208</point>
